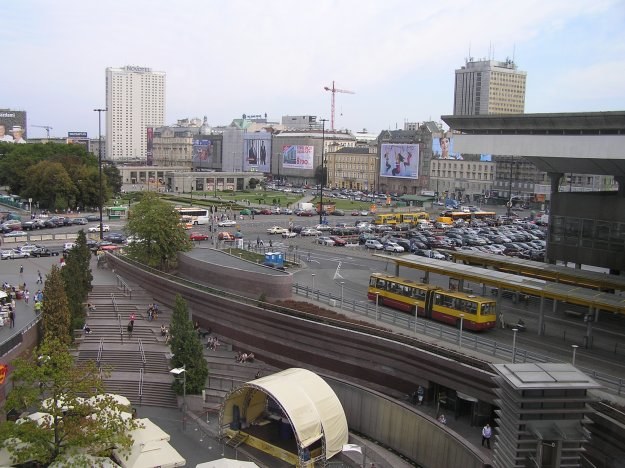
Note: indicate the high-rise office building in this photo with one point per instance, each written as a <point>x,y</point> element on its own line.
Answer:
<point>489,87</point>
<point>135,99</point>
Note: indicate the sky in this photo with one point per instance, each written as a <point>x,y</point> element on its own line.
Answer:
<point>226,58</point>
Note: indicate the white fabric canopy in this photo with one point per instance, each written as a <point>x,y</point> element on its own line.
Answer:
<point>227,463</point>
<point>311,405</point>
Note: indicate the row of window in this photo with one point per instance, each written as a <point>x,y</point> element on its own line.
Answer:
<point>454,174</point>
<point>588,233</point>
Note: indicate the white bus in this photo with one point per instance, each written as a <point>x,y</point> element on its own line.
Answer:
<point>197,215</point>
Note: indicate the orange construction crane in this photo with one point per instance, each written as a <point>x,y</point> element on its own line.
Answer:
<point>334,90</point>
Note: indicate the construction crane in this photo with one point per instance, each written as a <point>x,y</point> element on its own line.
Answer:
<point>334,90</point>
<point>47,129</point>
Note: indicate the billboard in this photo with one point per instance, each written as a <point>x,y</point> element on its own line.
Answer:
<point>12,126</point>
<point>443,148</point>
<point>257,152</point>
<point>202,152</point>
<point>78,138</point>
<point>399,161</point>
<point>298,156</point>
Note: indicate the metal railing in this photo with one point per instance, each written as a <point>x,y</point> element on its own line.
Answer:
<point>448,334</point>
<point>119,317</point>
<point>121,284</point>
<point>141,371</point>
<point>14,341</point>
<point>142,352</point>
<point>100,349</point>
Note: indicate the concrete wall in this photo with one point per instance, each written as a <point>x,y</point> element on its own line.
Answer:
<point>30,339</point>
<point>275,285</point>
<point>394,424</point>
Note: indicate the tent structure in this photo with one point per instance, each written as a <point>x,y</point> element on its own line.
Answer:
<point>227,463</point>
<point>150,448</point>
<point>308,403</point>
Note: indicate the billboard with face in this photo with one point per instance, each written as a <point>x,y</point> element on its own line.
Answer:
<point>257,152</point>
<point>442,148</point>
<point>12,126</point>
<point>298,156</point>
<point>202,152</point>
<point>399,161</point>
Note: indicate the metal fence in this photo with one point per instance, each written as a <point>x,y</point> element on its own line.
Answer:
<point>455,336</point>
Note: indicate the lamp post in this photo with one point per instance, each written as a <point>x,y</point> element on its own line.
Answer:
<point>323,164</point>
<point>460,334</point>
<point>313,281</point>
<point>377,303</point>
<point>177,371</point>
<point>514,330</point>
<point>342,283</point>
<point>191,188</point>
<point>100,201</point>
<point>574,352</point>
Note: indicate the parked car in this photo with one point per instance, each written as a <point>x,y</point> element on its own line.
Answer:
<point>225,236</point>
<point>81,221</point>
<point>16,234</point>
<point>33,224</point>
<point>393,247</point>
<point>265,212</point>
<point>105,228</point>
<point>28,247</point>
<point>338,242</point>
<point>277,230</point>
<point>15,253</point>
<point>43,252</point>
<point>310,232</point>
<point>325,240</point>
<point>306,213</point>
<point>374,244</point>
<point>115,237</point>
<point>227,222</point>
<point>289,234</point>
<point>198,236</point>
<point>93,217</point>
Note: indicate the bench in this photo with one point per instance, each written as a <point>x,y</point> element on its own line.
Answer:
<point>574,313</point>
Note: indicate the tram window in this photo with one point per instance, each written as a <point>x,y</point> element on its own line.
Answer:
<point>418,293</point>
<point>488,308</point>
<point>381,284</point>
<point>445,301</point>
<point>406,291</point>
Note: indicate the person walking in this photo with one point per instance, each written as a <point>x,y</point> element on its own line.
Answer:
<point>420,395</point>
<point>26,296</point>
<point>132,319</point>
<point>21,270</point>
<point>39,277</point>
<point>487,432</point>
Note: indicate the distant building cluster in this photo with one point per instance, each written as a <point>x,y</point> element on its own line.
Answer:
<point>417,159</point>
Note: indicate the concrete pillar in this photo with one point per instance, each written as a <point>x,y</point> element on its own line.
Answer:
<point>588,319</point>
<point>397,269</point>
<point>426,277</point>
<point>554,177</point>
<point>541,316</point>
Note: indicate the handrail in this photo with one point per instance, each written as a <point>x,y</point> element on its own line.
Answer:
<point>119,317</point>
<point>612,383</point>
<point>140,385</point>
<point>124,286</point>
<point>100,348</point>
<point>142,352</point>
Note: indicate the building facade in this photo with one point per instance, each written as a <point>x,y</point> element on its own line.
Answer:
<point>352,168</point>
<point>489,87</point>
<point>135,100</point>
<point>462,180</point>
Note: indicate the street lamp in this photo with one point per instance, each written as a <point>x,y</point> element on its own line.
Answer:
<point>460,334</point>
<point>342,283</point>
<point>100,201</point>
<point>323,165</point>
<point>574,346</point>
<point>377,303</point>
<point>177,371</point>
<point>191,202</point>
<point>514,330</point>
<point>313,281</point>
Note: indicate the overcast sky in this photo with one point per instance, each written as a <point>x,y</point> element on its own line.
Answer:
<point>233,57</point>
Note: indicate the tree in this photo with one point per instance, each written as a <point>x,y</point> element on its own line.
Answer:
<point>113,178</point>
<point>81,418</point>
<point>252,183</point>
<point>321,175</point>
<point>158,234</point>
<point>77,280</point>
<point>55,309</point>
<point>187,350</point>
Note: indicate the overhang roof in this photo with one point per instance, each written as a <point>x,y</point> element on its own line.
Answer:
<point>312,407</point>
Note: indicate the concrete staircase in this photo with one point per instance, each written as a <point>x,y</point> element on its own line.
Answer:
<point>142,382</point>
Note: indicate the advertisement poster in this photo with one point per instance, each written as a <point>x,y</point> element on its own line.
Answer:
<point>202,152</point>
<point>443,148</point>
<point>399,161</point>
<point>78,138</point>
<point>298,156</point>
<point>12,126</point>
<point>257,152</point>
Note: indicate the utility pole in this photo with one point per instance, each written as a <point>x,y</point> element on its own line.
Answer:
<point>100,201</point>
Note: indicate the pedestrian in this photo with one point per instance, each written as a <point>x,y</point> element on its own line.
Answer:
<point>420,394</point>
<point>131,327</point>
<point>21,270</point>
<point>132,319</point>
<point>26,296</point>
<point>39,277</point>
<point>11,318</point>
<point>257,241</point>
<point>487,432</point>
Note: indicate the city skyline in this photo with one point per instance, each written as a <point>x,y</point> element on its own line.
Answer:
<point>224,59</point>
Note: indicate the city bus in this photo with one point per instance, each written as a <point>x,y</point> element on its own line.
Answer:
<point>481,215</point>
<point>414,217</point>
<point>197,215</point>
<point>387,218</point>
<point>433,302</point>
